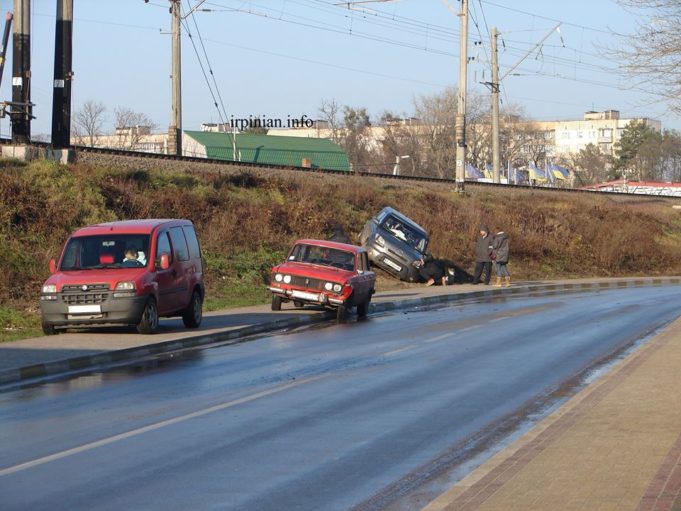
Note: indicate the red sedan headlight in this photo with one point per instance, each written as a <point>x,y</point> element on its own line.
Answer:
<point>332,286</point>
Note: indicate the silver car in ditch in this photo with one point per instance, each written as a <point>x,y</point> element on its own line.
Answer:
<point>395,243</point>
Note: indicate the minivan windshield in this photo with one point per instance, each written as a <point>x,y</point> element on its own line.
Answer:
<point>106,251</point>
<point>324,256</point>
<point>405,232</point>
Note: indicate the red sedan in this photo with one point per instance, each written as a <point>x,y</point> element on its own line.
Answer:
<point>326,273</point>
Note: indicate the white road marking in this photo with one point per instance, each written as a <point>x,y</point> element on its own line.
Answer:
<point>499,319</point>
<point>151,427</point>
<point>443,336</point>
<point>468,328</point>
<point>400,350</point>
<point>450,334</point>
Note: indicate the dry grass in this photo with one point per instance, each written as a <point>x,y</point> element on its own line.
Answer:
<point>247,221</point>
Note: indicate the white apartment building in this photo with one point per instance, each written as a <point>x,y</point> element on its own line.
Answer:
<point>602,129</point>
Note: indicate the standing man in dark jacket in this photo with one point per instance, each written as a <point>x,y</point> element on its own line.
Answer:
<point>483,249</point>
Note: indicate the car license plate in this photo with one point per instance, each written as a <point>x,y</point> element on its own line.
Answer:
<point>305,296</point>
<point>85,309</point>
<point>394,266</point>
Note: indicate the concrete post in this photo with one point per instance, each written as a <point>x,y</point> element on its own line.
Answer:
<point>63,74</point>
<point>21,111</point>
<point>461,103</point>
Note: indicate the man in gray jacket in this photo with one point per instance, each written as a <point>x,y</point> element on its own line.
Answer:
<point>483,263</point>
<point>500,245</point>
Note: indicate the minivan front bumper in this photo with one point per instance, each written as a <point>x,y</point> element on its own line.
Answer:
<point>115,311</point>
<point>392,263</point>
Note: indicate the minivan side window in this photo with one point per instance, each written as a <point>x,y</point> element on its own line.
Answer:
<point>163,245</point>
<point>192,241</point>
<point>179,244</point>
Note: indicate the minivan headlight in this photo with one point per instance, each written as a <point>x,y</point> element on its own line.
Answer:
<point>49,289</point>
<point>380,241</point>
<point>124,289</point>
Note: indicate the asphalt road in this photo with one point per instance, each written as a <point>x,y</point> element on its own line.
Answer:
<point>322,418</point>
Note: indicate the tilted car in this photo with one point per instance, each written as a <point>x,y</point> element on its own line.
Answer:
<point>395,243</point>
<point>325,273</point>
<point>125,273</point>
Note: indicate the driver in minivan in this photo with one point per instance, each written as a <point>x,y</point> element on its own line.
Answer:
<point>130,260</point>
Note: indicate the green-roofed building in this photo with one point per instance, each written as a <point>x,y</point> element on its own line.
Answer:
<point>319,153</point>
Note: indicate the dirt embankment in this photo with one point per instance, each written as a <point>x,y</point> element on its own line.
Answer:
<point>247,219</point>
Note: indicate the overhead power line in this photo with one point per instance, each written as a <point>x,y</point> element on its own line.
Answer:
<point>555,20</point>
<point>203,70</point>
<point>210,68</point>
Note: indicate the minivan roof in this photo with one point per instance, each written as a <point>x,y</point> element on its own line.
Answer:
<point>144,226</point>
<point>388,210</point>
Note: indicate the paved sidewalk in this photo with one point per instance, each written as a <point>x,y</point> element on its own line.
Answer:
<point>616,445</point>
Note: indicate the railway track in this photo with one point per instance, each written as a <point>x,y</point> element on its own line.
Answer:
<point>214,161</point>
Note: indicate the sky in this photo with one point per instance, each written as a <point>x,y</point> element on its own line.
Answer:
<point>280,58</point>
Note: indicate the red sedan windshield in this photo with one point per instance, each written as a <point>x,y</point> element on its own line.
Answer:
<point>323,256</point>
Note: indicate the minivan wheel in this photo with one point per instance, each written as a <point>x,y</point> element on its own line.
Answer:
<point>149,320</point>
<point>193,314</point>
<point>49,329</point>
<point>276,303</point>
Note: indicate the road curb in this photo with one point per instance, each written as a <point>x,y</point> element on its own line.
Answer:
<point>237,335</point>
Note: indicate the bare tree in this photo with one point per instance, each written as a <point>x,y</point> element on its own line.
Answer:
<point>478,129</point>
<point>401,140</point>
<point>437,115</point>
<point>652,55</point>
<point>132,126</point>
<point>329,111</point>
<point>532,142</point>
<point>88,121</point>
<point>356,137</point>
<point>670,168</point>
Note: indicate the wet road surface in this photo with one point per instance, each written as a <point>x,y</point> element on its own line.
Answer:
<point>322,418</point>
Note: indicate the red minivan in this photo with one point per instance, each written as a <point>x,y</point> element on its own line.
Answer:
<point>126,273</point>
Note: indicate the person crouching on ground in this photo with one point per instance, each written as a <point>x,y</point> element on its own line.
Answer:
<point>483,262</point>
<point>500,254</point>
<point>433,270</point>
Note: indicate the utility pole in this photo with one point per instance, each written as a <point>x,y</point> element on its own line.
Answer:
<point>495,108</point>
<point>21,112</point>
<point>175,129</point>
<point>461,103</point>
<point>63,74</point>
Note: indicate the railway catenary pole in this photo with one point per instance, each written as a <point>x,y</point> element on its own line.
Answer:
<point>21,111</point>
<point>63,74</point>
<point>495,108</point>
<point>461,102</point>
<point>175,128</point>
